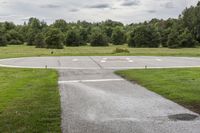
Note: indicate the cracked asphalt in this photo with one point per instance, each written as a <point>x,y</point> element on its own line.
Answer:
<point>95,100</point>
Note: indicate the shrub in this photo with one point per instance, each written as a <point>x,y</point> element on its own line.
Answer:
<point>121,50</point>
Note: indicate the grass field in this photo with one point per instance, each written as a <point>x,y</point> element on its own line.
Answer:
<point>179,85</point>
<point>12,51</point>
<point>29,101</point>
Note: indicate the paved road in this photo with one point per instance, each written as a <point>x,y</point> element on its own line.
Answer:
<point>94,100</point>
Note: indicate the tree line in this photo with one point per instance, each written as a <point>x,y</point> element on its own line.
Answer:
<point>172,33</point>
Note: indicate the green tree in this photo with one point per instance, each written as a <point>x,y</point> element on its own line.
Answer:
<point>31,37</point>
<point>131,39</point>
<point>40,41</point>
<point>84,36</point>
<point>9,26</point>
<point>164,36</point>
<point>3,40</point>
<point>98,38</point>
<point>108,31</point>
<point>61,24</point>
<point>144,36</point>
<point>54,38</point>
<point>173,41</point>
<point>14,37</point>
<point>118,36</point>
<point>73,38</point>
<point>34,24</point>
<point>191,20</point>
<point>34,27</point>
<point>186,39</point>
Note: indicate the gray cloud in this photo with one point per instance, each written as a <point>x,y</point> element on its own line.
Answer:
<point>151,11</point>
<point>73,10</point>
<point>121,10</point>
<point>168,5</point>
<point>4,15</point>
<point>130,2</point>
<point>50,6</point>
<point>99,6</point>
<point>3,2</point>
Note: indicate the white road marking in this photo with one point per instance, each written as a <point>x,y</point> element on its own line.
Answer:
<point>129,60</point>
<point>75,60</point>
<point>103,61</point>
<point>49,67</point>
<point>158,59</point>
<point>95,80</point>
<point>95,68</point>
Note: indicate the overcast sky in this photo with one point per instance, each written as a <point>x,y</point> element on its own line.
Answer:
<point>126,11</point>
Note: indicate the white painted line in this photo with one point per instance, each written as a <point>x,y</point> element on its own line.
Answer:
<point>130,61</point>
<point>69,68</point>
<point>128,58</point>
<point>97,68</point>
<point>122,68</point>
<point>95,80</point>
<point>158,59</point>
<point>75,60</point>
<point>105,58</point>
<point>103,61</point>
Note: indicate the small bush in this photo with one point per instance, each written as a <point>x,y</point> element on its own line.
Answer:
<point>121,50</point>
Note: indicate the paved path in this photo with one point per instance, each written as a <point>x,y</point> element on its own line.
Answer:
<point>96,62</point>
<point>94,100</point>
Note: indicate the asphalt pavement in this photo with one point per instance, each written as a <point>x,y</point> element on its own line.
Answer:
<point>95,100</point>
<point>98,62</point>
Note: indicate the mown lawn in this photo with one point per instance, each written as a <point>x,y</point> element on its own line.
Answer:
<point>29,101</point>
<point>12,51</point>
<point>179,85</point>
